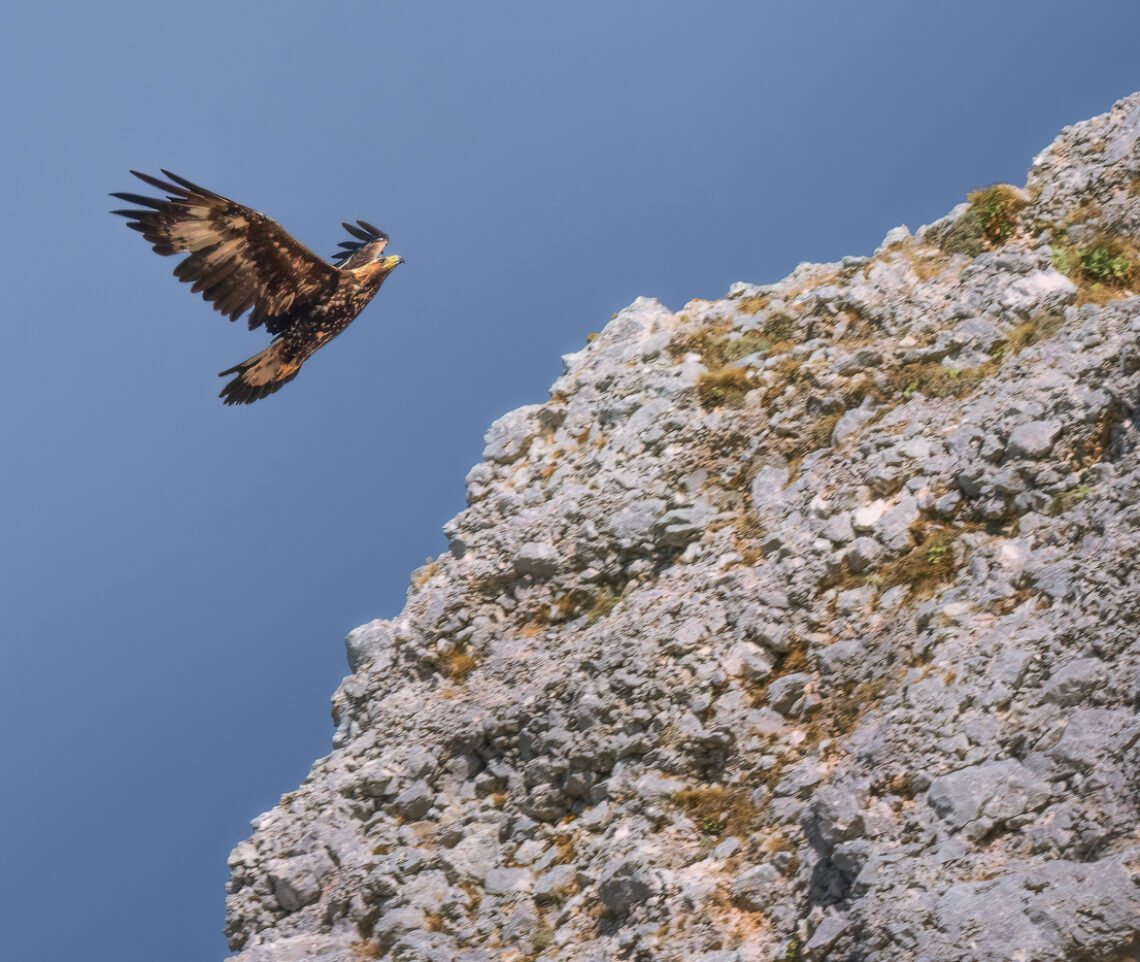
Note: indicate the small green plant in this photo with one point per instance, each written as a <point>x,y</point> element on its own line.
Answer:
<point>1106,266</point>
<point>1063,258</point>
<point>1068,500</point>
<point>936,552</point>
<point>794,951</point>
<point>989,221</point>
<point>997,207</point>
<point>1100,269</point>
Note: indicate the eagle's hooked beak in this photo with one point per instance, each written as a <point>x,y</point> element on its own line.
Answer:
<point>394,260</point>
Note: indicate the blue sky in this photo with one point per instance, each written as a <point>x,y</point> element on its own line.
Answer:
<point>178,576</point>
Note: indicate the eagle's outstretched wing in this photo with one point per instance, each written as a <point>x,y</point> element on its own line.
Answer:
<point>239,258</point>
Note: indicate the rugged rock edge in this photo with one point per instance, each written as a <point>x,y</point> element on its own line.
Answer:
<point>798,624</point>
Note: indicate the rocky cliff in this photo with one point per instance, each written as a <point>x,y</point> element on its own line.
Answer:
<point>800,624</point>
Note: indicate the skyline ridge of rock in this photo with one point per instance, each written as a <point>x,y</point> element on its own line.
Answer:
<point>795,624</point>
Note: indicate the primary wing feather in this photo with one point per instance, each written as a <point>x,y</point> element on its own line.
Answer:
<point>239,259</point>
<point>370,240</point>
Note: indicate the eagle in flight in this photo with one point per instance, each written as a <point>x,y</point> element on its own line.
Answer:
<point>241,260</point>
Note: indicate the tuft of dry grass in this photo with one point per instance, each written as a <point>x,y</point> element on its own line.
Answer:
<point>793,660</point>
<point>425,572</point>
<point>457,665</point>
<point>718,810</point>
<point>563,850</point>
<point>927,566</point>
<point>932,265</point>
<point>725,387</point>
<point>787,371</point>
<point>757,302</point>
<point>722,384</point>
<point>605,603</point>
<point>780,330</point>
<point>564,608</point>
<point>821,432</point>
<point>704,342</point>
<point>847,707</point>
<point>816,437</point>
<point>1083,212</point>
<point>934,379</point>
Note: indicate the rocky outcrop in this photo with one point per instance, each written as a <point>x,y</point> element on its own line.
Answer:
<point>798,624</point>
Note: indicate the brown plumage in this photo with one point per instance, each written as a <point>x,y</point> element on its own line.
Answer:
<point>240,260</point>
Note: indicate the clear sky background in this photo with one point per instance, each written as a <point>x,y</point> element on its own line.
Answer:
<point>177,576</point>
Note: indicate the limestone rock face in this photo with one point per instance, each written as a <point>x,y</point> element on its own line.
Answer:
<point>797,624</point>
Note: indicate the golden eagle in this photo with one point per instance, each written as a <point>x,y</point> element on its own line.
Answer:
<point>241,260</point>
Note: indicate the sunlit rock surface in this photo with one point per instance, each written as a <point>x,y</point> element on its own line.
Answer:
<point>798,624</point>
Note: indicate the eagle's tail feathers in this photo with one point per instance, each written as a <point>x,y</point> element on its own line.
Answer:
<point>259,376</point>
